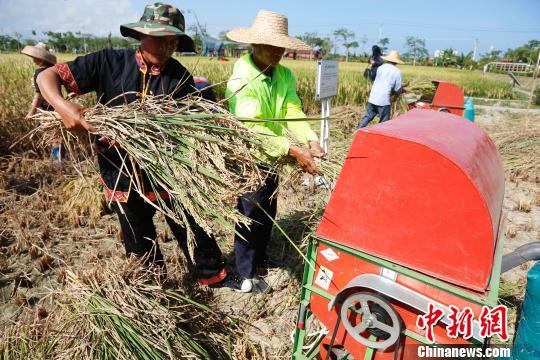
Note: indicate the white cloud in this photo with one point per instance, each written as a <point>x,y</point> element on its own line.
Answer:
<point>88,16</point>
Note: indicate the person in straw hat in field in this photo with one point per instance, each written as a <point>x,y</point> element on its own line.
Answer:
<point>148,70</point>
<point>387,81</point>
<point>260,87</point>
<point>43,59</point>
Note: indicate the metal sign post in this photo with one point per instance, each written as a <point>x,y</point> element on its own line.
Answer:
<point>327,81</point>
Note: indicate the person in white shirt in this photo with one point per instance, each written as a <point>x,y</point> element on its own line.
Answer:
<point>388,80</point>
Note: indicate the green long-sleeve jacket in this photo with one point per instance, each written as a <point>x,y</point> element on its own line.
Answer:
<point>263,97</point>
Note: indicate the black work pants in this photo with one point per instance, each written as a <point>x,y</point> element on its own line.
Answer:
<point>139,236</point>
<point>251,241</point>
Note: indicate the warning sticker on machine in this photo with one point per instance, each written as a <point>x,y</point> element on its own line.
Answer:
<point>324,278</point>
<point>329,254</point>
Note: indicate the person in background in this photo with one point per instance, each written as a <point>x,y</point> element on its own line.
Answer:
<point>146,71</point>
<point>387,81</point>
<point>43,59</point>
<point>260,87</point>
<point>375,61</point>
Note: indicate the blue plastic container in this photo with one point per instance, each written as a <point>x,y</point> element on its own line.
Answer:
<point>468,113</point>
<point>527,339</point>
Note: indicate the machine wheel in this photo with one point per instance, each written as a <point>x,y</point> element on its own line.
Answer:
<point>375,315</point>
<point>445,110</point>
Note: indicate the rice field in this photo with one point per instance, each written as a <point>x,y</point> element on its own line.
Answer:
<point>16,72</point>
<point>353,88</point>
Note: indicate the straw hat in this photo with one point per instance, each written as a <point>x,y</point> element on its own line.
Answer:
<point>160,19</point>
<point>393,56</point>
<point>268,28</point>
<point>39,51</point>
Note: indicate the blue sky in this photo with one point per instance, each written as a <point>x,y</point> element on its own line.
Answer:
<point>443,24</point>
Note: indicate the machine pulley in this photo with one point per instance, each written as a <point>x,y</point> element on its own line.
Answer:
<point>365,314</point>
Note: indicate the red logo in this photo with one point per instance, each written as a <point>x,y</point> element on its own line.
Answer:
<point>461,322</point>
<point>494,322</point>
<point>429,320</point>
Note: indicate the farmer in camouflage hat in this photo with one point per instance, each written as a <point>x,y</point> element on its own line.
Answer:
<point>149,70</point>
<point>160,20</point>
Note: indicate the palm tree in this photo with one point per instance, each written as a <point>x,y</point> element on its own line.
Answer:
<point>346,34</point>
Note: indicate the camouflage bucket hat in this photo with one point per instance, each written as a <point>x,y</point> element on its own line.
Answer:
<point>160,20</point>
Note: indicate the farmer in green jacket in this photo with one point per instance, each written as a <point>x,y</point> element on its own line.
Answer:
<point>261,88</point>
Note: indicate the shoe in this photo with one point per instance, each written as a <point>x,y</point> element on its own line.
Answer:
<point>257,285</point>
<point>230,281</point>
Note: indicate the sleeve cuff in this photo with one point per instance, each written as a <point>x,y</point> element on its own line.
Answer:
<point>67,78</point>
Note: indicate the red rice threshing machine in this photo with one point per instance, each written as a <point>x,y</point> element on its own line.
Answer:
<point>448,98</point>
<point>415,219</point>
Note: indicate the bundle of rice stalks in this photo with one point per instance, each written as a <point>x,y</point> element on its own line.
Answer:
<point>111,314</point>
<point>398,105</point>
<point>192,149</point>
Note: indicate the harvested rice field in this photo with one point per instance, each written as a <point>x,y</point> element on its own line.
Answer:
<point>68,292</point>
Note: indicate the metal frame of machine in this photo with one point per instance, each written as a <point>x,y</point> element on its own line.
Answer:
<point>309,290</point>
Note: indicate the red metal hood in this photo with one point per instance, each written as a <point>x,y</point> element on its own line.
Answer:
<point>424,190</point>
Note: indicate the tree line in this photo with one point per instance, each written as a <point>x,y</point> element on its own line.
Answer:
<point>72,42</point>
<point>416,51</point>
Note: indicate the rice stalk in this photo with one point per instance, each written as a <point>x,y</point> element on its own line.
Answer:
<point>84,200</point>
<point>195,151</point>
<point>111,313</point>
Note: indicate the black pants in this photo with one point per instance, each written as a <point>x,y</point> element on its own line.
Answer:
<point>250,247</point>
<point>139,236</point>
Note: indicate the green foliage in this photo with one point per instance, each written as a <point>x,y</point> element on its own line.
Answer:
<point>416,48</point>
<point>316,42</point>
<point>80,42</point>
<point>527,53</point>
<point>9,43</point>
<point>537,96</point>
<point>345,35</point>
<point>448,58</point>
<point>197,34</point>
<point>466,61</point>
<point>382,44</point>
